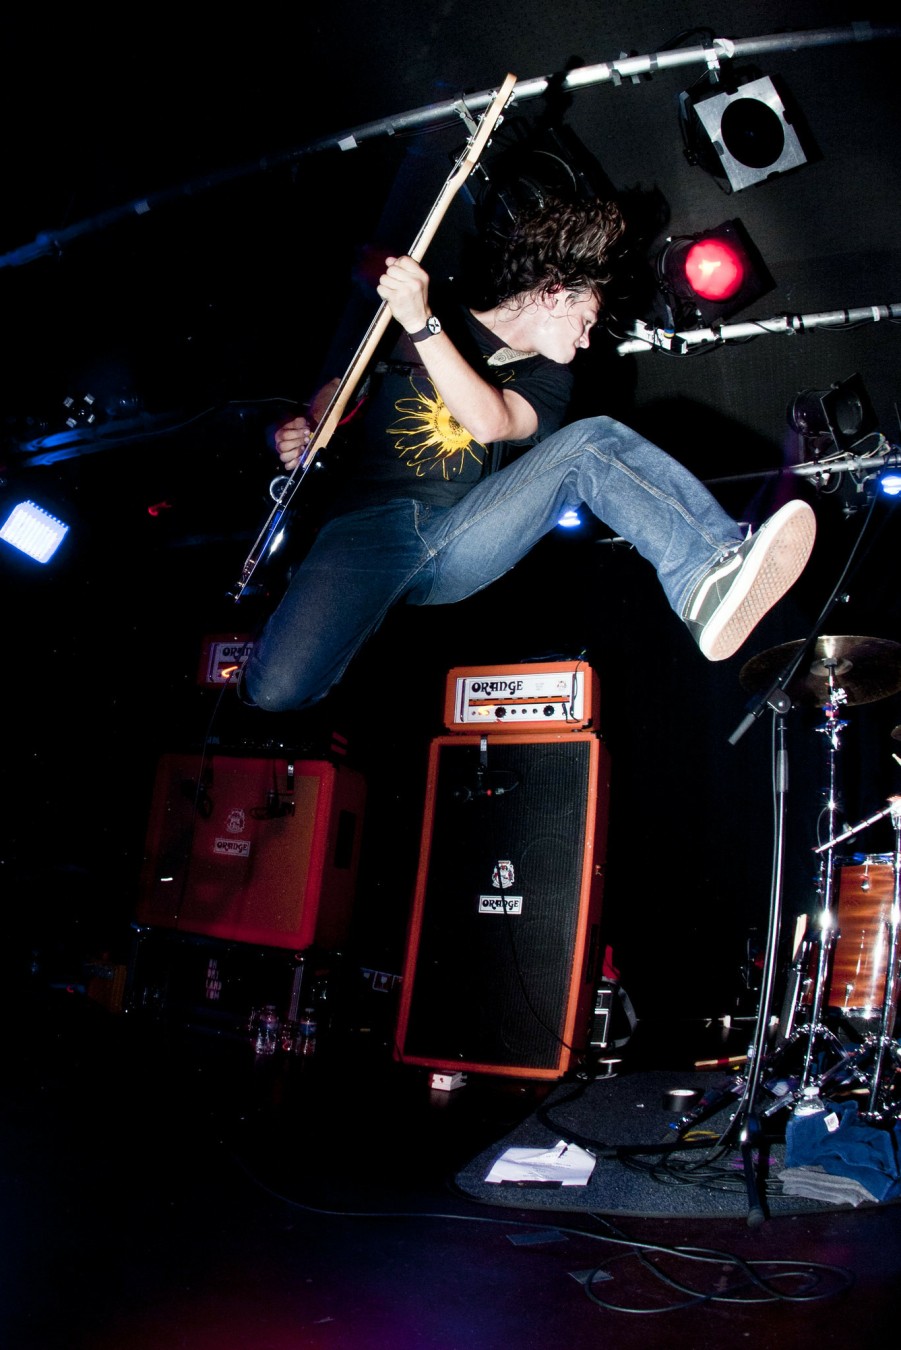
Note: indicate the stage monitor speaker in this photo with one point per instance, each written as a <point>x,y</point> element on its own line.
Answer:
<point>256,850</point>
<point>501,960</point>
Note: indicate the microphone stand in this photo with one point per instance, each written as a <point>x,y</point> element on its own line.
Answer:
<point>745,1124</point>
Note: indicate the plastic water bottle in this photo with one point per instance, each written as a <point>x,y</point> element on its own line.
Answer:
<point>266,1042</point>
<point>810,1102</point>
<point>306,1032</point>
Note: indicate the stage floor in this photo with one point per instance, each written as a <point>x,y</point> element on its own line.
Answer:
<point>166,1189</point>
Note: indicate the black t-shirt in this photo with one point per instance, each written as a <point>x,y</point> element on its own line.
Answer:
<point>403,442</point>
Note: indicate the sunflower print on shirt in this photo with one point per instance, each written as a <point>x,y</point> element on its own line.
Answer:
<point>429,439</point>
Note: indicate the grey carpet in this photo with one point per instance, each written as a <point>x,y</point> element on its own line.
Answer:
<point>646,1165</point>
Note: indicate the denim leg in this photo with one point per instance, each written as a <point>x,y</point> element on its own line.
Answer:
<point>638,490</point>
<point>364,563</point>
<point>359,566</point>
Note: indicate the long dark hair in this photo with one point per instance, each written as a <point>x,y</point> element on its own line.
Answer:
<point>557,243</point>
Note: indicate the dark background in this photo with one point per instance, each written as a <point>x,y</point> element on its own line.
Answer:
<point>177,240</point>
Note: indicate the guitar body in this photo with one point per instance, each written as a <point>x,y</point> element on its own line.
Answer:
<point>296,525</point>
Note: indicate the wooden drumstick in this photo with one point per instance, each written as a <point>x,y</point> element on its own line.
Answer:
<point>732,1062</point>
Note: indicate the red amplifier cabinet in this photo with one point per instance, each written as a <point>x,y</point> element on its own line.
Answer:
<point>256,850</point>
<point>501,961</point>
<point>541,696</point>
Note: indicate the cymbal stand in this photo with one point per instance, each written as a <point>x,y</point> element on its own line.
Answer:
<point>831,729</point>
<point>814,1034</point>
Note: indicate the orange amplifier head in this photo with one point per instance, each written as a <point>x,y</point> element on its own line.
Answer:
<point>548,696</point>
<point>222,656</point>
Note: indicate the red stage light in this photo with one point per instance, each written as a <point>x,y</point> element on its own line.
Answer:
<point>708,276</point>
<point>714,270</point>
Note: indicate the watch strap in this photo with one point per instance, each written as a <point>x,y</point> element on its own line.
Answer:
<point>432,327</point>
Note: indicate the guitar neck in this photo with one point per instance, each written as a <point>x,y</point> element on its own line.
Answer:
<point>331,418</point>
<point>379,325</point>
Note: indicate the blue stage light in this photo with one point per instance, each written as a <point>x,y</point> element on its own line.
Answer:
<point>33,531</point>
<point>890,481</point>
<point>570,519</point>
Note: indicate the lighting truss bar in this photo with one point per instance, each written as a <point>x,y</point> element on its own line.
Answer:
<point>630,68</point>
<point>645,339</point>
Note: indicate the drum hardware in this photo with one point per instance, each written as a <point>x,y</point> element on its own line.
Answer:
<point>824,1055</point>
<point>745,1124</point>
<point>827,933</point>
<point>797,985</point>
<point>843,671</point>
<point>880,1049</point>
<point>860,981</point>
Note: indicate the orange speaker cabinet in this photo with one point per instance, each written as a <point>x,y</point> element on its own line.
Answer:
<point>256,850</point>
<point>501,961</point>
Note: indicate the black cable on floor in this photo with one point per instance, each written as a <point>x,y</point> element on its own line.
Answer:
<point>711,1171</point>
<point>809,1272</point>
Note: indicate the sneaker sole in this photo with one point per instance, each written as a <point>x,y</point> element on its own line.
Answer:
<point>772,566</point>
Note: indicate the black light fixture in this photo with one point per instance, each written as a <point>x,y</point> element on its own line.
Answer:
<point>708,276</point>
<point>739,129</point>
<point>841,415</point>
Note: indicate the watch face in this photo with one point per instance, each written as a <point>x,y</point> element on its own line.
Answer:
<point>433,324</point>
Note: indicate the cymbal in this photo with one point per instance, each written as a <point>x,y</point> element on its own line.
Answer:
<point>867,669</point>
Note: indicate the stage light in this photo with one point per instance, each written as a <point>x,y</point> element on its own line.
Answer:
<point>570,519</point>
<point>709,276</point>
<point>890,481</point>
<point>740,132</point>
<point>33,531</point>
<point>842,413</point>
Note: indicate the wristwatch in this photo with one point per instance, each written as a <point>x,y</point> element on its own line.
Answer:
<point>433,326</point>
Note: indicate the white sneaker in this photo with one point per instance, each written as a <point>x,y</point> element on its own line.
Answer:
<point>729,602</point>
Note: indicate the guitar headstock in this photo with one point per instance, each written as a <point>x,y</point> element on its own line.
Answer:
<point>489,121</point>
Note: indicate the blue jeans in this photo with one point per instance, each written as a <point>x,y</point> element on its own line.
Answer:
<point>363,563</point>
